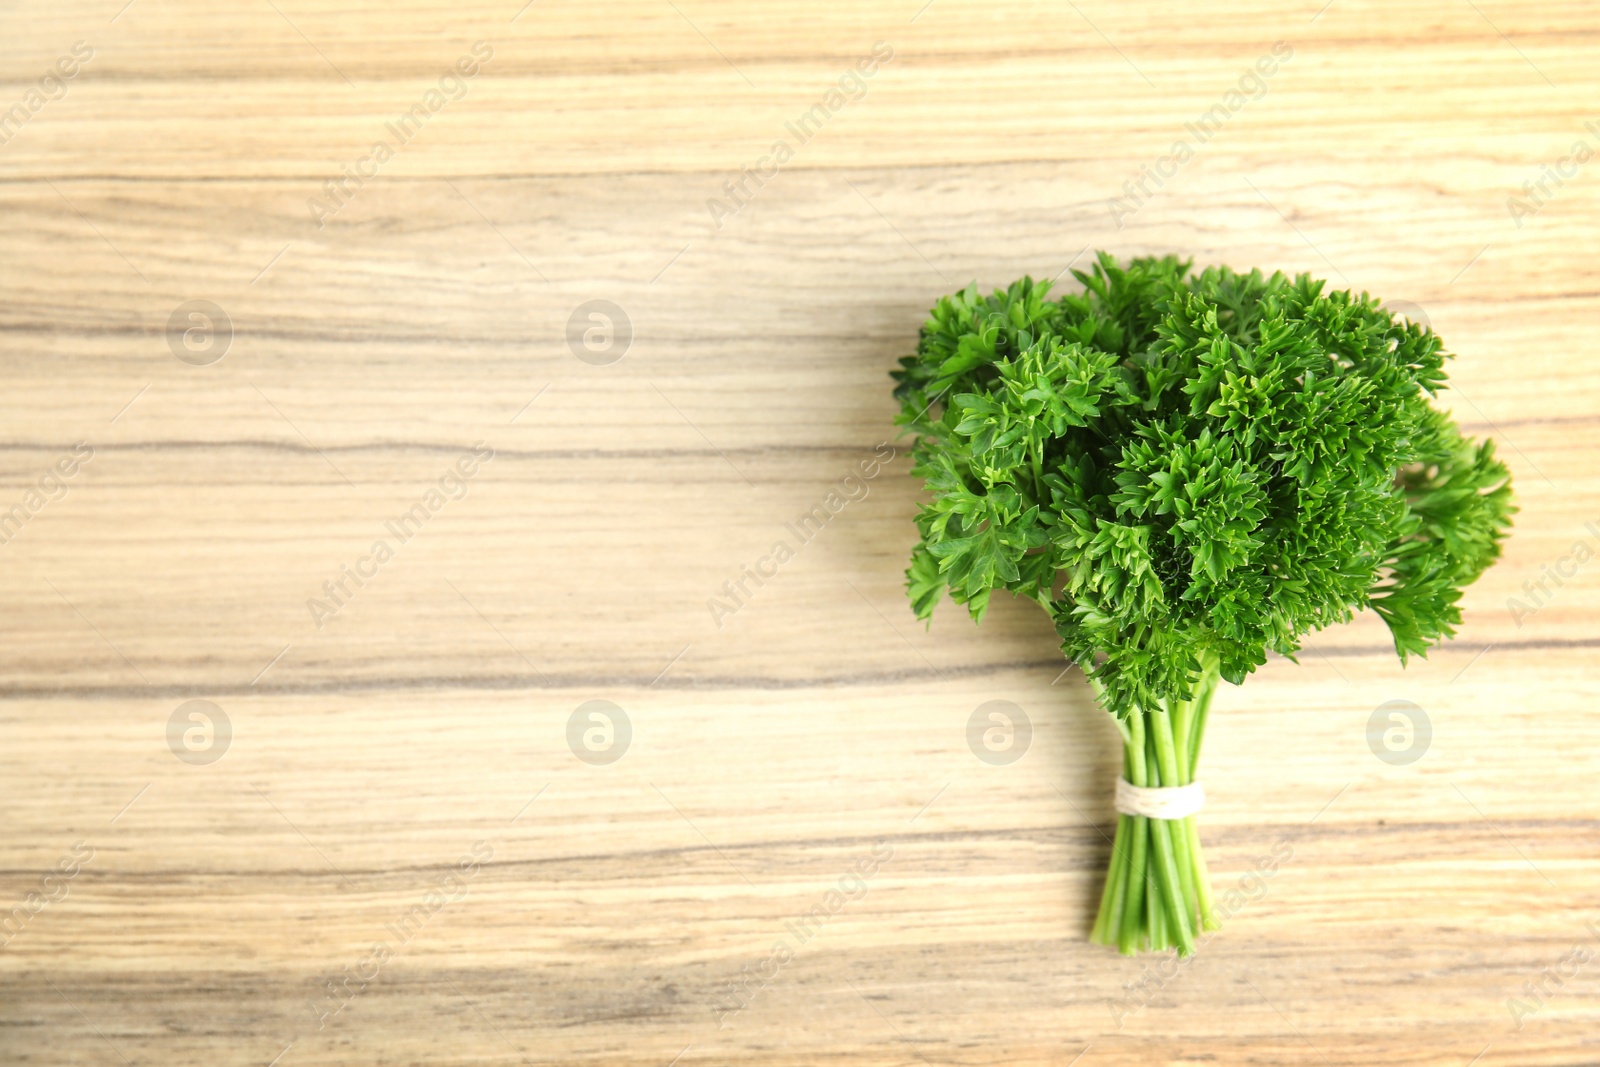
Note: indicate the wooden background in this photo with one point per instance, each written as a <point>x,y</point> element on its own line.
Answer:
<point>771,755</point>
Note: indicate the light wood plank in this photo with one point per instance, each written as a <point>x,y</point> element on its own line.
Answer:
<point>771,754</point>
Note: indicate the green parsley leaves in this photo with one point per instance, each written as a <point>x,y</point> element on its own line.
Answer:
<point>1190,470</point>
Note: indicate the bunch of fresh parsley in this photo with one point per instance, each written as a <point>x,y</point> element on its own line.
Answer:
<point>1188,471</point>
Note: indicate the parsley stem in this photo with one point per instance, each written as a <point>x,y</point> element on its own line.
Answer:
<point>1156,915</point>
<point>1204,691</point>
<point>1167,849</point>
<point>1174,772</point>
<point>1202,877</point>
<point>1133,922</point>
<point>1109,921</point>
<point>1182,725</point>
<point>1200,706</point>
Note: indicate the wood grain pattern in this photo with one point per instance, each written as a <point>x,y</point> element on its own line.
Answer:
<point>818,731</point>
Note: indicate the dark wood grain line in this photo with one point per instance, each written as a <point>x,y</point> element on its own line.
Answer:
<point>556,682</point>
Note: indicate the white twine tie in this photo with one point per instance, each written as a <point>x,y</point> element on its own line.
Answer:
<point>1168,802</point>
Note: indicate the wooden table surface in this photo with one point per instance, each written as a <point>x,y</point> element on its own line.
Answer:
<point>398,835</point>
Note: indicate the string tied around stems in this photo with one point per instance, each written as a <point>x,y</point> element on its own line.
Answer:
<point>1165,802</point>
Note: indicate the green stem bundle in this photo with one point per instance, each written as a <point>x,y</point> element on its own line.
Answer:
<point>1157,892</point>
